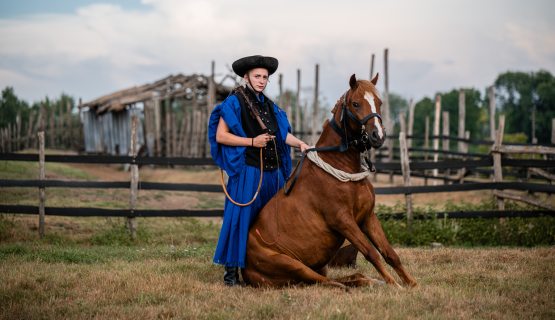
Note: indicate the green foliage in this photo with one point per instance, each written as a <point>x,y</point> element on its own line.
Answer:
<point>475,115</point>
<point>10,107</point>
<point>469,232</point>
<point>519,93</point>
<point>515,138</point>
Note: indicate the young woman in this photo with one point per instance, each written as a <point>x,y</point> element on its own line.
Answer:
<point>239,127</point>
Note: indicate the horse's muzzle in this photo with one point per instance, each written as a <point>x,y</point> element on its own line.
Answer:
<point>375,140</point>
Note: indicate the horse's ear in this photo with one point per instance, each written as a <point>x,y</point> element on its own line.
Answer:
<point>375,79</point>
<point>353,82</point>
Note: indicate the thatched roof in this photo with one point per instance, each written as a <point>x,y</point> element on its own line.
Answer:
<point>173,86</point>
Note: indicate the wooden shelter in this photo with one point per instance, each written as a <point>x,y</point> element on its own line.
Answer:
<point>173,114</point>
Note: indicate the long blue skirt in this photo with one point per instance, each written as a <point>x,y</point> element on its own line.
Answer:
<point>232,243</point>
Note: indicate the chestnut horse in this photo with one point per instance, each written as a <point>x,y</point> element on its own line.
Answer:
<point>296,235</point>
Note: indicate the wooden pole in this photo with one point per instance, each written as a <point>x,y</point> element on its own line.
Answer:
<point>211,99</point>
<point>445,129</point>
<point>553,131</point>
<point>411,123</point>
<point>436,131</point>
<point>67,136</point>
<point>462,172</point>
<point>491,95</point>
<point>405,167</point>
<point>18,131</point>
<point>298,105</point>
<point>168,125</point>
<point>28,137</point>
<point>315,106</point>
<point>371,67</point>
<point>42,191</point>
<point>462,117</point>
<point>386,111</point>
<point>445,133</point>
<point>280,83</point>
<point>174,136</point>
<point>134,168</point>
<point>402,122</point>
<point>426,136</point>
<point>10,139</point>
<point>534,139</point>
<point>157,126</point>
<point>497,168</point>
<point>50,130</point>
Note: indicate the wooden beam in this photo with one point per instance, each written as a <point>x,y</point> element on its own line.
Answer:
<point>523,198</point>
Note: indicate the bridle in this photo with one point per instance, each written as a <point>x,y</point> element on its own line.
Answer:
<point>360,141</point>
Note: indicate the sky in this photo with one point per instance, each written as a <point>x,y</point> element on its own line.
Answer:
<point>90,48</point>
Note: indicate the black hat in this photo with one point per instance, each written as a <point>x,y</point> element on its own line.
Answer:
<point>245,64</point>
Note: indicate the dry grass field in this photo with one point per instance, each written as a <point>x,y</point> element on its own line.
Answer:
<point>88,268</point>
<point>83,270</point>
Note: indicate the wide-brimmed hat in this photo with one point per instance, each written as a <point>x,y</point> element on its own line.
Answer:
<point>245,64</point>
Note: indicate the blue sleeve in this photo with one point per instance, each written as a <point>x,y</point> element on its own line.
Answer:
<point>229,158</point>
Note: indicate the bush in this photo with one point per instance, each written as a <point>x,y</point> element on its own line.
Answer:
<point>468,232</point>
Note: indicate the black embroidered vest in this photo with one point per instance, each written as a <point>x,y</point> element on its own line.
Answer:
<point>253,129</point>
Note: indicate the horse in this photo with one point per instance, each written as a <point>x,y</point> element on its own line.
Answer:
<point>296,235</point>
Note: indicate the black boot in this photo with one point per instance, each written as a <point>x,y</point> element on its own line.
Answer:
<point>231,276</point>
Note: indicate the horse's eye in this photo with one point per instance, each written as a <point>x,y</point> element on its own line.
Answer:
<point>355,105</point>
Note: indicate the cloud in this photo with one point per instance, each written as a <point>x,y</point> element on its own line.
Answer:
<point>105,47</point>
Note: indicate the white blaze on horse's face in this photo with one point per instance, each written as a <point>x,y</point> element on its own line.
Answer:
<point>370,98</point>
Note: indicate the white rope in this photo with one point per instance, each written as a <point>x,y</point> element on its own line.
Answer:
<point>338,174</point>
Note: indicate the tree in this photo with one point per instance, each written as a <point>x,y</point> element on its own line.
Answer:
<point>474,120</point>
<point>10,107</point>
<point>520,94</point>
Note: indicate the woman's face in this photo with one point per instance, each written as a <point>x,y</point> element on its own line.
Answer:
<point>258,78</point>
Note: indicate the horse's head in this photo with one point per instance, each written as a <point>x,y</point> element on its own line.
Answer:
<point>359,114</point>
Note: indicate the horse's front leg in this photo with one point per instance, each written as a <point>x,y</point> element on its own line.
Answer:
<point>348,228</point>
<point>375,232</point>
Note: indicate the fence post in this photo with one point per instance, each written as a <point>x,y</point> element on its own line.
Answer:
<point>462,116</point>
<point>445,142</point>
<point>437,116</point>
<point>18,131</point>
<point>405,167</point>
<point>411,123</point>
<point>553,131</point>
<point>386,111</point>
<point>298,106</point>
<point>315,108</point>
<point>497,168</point>
<point>371,67</point>
<point>491,96</point>
<point>426,145</point>
<point>132,221</point>
<point>42,192</point>
<point>462,171</point>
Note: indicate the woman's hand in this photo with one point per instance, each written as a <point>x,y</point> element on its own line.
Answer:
<point>262,140</point>
<point>303,146</point>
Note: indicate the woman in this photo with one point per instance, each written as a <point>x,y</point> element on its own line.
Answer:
<point>238,127</point>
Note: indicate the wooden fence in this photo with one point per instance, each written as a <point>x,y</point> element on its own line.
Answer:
<point>404,167</point>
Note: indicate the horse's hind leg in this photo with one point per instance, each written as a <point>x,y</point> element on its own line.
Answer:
<point>283,270</point>
<point>358,280</point>
<point>378,238</point>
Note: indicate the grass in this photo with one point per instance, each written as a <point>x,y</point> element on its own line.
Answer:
<point>90,268</point>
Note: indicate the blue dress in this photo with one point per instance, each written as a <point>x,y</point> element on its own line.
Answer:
<point>243,180</point>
